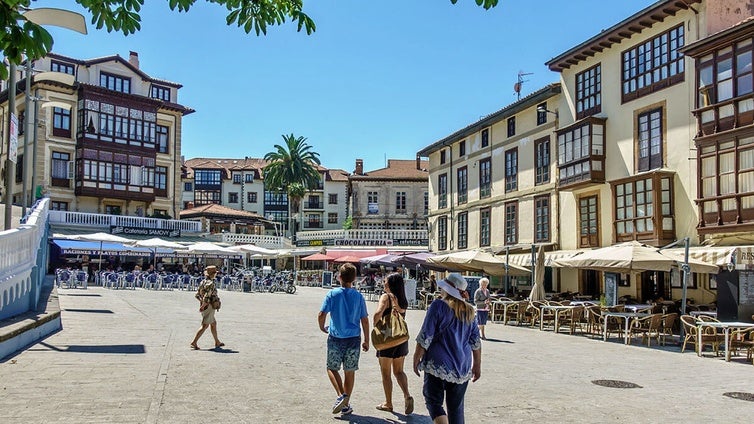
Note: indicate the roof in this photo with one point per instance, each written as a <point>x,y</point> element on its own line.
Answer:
<point>397,169</point>
<point>625,29</point>
<point>531,100</point>
<point>214,210</point>
<point>726,36</point>
<point>113,58</point>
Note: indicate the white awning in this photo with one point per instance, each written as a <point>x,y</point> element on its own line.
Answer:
<point>524,259</point>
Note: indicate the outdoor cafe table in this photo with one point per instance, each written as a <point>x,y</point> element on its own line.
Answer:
<point>505,304</point>
<point>726,326</point>
<point>712,314</point>
<point>638,308</point>
<point>626,318</point>
<point>584,303</point>
<point>557,309</point>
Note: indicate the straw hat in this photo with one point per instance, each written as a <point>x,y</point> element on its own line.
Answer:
<point>210,271</point>
<point>453,285</point>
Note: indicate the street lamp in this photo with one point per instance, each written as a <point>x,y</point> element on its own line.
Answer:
<point>41,16</point>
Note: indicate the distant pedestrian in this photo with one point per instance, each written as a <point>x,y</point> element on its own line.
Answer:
<point>207,296</point>
<point>432,283</point>
<point>449,351</point>
<point>348,312</point>
<point>482,301</point>
<point>391,359</point>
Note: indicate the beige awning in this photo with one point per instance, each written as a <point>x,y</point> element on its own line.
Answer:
<point>524,259</point>
<point>741,256</point>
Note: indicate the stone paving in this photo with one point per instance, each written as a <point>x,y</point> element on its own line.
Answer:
<point>123,357</point>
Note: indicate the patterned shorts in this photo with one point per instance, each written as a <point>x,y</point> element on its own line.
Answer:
<point>343,351</point>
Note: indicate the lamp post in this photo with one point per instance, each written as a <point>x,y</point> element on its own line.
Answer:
<point>41,16</point>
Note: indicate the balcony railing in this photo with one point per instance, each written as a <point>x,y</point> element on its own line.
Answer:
<point>96,220</point>
<point>314,205</point>
<point>733,113</point>
<point>313,224</point>
<point>268,242</point>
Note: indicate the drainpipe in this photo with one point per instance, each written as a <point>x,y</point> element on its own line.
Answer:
<point>175,167</point>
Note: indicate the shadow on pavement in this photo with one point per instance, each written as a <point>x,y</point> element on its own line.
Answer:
<point>489,339</point>
<point>123,349</point>
<point>401,419</point>
<point>81,294</point>
<point>222,350</point>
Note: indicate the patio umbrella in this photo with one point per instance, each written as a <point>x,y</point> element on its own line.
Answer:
<point>101,238</point>
<point>478,261</point>
<point>256,250</point>
<point>317,257</point>
<point>157,243</point>
<point>631,258</point>
<point>348,258</point>
<point>538,288</point>
<point>419,260</point>
<point>385,259</point>
<point>203,249</point>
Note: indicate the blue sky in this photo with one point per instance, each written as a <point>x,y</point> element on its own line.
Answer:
<point>378,79</point>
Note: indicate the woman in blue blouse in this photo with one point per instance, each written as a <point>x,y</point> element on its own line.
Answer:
<point>449,351</point>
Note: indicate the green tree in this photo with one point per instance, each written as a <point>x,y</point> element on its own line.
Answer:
<point>22,37</point>
<point>292,169</point>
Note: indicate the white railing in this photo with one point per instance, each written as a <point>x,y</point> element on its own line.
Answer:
<point>269,242</point>
<point>363,235</point>
<point>23,257</point>
<point>96,220</point>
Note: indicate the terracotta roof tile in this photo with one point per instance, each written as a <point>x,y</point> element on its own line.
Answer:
<point>398,169</point>
<point>219,210</point>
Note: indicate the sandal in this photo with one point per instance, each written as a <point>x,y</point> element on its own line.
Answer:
<point>194,346</point>
<point>219,345</point>
<point>384,407</point>
<point>409,405</point>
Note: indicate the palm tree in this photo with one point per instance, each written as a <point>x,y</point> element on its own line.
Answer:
<point>292,169</point>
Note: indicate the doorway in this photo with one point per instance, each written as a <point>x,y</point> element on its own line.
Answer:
<point>590,283</point>
<point>655,284</point>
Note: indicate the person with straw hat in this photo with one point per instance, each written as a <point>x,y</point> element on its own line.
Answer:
<point>207,295</point>
<point>449,351</point>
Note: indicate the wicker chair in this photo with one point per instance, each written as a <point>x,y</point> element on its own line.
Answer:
<point>709,337</point>
<point>668,323</point>
<point>742,339</point>
<point>593,320</point>
<point>571,318</point>
<point>648,327</point>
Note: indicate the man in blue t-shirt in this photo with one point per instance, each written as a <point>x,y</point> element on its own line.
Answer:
<point>348,316</point>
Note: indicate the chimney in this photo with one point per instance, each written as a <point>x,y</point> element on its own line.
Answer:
<point>418,163</point>
<point>359,167</point>
<point>133,59</point>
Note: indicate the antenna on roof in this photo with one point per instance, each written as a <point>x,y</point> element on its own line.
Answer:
<point>519,84</point>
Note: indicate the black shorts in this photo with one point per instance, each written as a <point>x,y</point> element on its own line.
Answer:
<point>394,352</point>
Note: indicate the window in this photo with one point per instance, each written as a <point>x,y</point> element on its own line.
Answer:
<point>163,136</point>
<point>161,179</point>
<point>59,171</point>
<point>511,170</point>
<point>542,161</point>
<point>65,68</point>
<point>237,178</point>
<point>21,122</point>
<point>400,202</point>
<point>484,227</point>
<point>232,197</point>
<point>588,222</point>
<point>442,233</point>
<point>542,219</point>
<point>650,140</point>
<point>589,92</point>
<point>653,64</point>
<point>20,168</point>
<point>314,221</point>
<point>112,210</point>
<point>726,178</point>
<point>249,178</point>
<point>372,203</point>
<point>463,230</point>
<point>485,178</point>
<point>206,197</point>
<point>332,218</point>
<point>188,187</point>
<point>511,126</point>
<point>120,173</point>
<point>275,199</point>
<point>314,202</point>
<point>442,156</point>
<point>462,180</point>
<point>462,148</point>
<point>61,122</point>
<point>160,92</point>
<point>541,113</point>
<point>442,191</point>
<point>115,82</point>
<point>485,137</point>
<point>58,206</point>
<point>207,177</point>
<point>426,203</point>
<point>251,197</point>
<point>581,152</point>
<point>332,199</point>
<point>635,206</point>
<point>511,223</point>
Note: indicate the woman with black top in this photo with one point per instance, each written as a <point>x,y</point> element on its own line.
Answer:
<point>391,360</point>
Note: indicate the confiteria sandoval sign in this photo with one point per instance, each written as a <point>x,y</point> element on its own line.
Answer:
<point>157,232</point>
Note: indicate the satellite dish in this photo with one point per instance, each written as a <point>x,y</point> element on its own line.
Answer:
<point>517,87</point>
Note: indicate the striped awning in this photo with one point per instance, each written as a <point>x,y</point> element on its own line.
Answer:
<point>524,259</point>
<point>742,256</point>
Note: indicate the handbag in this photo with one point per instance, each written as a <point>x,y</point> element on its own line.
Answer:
<point>215,302</point>
<point>390,331</point>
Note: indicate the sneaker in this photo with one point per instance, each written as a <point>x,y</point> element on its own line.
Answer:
<point>340,403</point>
<point>347,410</point>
